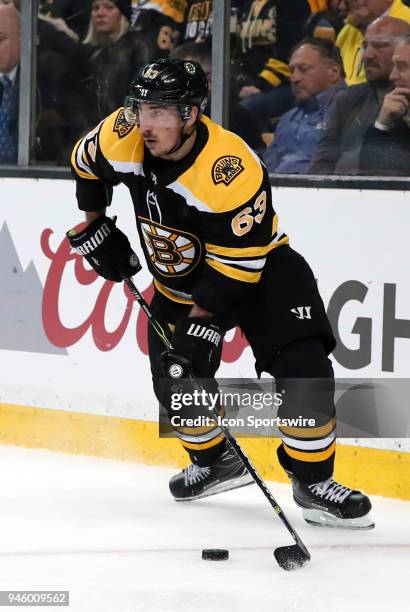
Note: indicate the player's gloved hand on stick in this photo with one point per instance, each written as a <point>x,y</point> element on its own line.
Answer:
<point>195,347</point>
<point>106,248</point>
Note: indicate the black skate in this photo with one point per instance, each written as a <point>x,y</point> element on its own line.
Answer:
<point>330,504</point>
<point>224,474</point>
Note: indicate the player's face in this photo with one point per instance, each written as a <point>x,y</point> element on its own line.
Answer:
<point>106,17</point>
<point>400,75</point>
<point>310,73</point>
<point>161,127</point>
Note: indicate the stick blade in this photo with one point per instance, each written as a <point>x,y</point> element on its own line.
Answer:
<point>291,557</point>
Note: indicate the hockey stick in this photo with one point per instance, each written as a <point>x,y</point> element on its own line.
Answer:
<point>288,557</point>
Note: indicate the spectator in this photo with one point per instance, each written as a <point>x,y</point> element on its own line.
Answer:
<point>357,107</point>
<point>328,23</point>
<point>9,61</point>
<point>15,2</point>
<point>120,53</point>
<point>241,121</point>
<point>262,35</point>
<point>161,21</point>
<point>62,98</point>
<point>74,13</point>
<point>268,32</point>
<point>316,77</point>
<point>197,25</point>
<point>386,145</point>
<point>350,39</point>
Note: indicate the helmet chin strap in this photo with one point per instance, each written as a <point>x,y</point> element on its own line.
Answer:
<point>182,139</point>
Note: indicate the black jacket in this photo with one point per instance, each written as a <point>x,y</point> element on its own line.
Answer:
<point>386,153</point>
<point>353,112</point>
<point>112,69</point>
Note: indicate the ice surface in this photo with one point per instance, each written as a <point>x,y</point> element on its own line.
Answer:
<point>111,534</point>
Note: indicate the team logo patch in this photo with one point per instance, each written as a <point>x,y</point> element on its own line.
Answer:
<point>150,73</point>
<point>225,169</point>
<point>121,125</point>
<point>190,68</point>
<point>171,252</point>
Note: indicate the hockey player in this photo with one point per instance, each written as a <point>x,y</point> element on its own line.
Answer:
<point>210,236</point>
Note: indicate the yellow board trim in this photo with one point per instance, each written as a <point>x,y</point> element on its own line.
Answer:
<point>376,471</point>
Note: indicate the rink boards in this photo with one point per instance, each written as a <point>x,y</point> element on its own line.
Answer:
<point>74,370</point>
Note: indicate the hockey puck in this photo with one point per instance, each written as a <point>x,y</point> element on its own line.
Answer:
<point>215,554</point>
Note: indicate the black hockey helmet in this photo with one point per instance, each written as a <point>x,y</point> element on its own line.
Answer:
<point>169,82</point>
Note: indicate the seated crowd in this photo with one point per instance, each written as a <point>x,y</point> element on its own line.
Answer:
<point>317,86</point>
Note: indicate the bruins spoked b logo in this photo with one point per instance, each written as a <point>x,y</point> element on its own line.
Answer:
<point>225,169</point>
<point>172,252</point>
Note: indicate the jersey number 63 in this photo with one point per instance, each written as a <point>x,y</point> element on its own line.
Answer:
<point>243,222</point>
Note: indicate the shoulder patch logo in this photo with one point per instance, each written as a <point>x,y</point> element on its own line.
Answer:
<point>121,125</point>
<point>225,169</point>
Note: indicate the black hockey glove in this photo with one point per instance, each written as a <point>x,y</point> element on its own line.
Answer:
<point>195,349</point>
<point>106,248</point>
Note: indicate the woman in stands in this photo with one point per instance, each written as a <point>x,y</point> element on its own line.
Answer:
<point>119,52</point>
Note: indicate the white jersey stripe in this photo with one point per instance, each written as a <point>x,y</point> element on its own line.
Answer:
<point>124,167</point>
<point>309,444</point>
<point>251,264</point>
<point>189,197</point>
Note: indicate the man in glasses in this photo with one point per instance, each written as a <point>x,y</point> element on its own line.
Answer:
<point>356,109</point>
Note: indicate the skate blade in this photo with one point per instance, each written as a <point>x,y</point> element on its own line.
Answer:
<point>320,518</point>
<point>227,485</point>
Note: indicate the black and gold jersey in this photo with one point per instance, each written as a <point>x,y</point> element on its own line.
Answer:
<point>206,223</point>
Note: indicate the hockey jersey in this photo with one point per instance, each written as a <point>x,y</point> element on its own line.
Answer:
<point>206,223</point>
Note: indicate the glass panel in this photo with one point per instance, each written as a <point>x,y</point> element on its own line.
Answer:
<point>88,53</point>
<point>288,101</point>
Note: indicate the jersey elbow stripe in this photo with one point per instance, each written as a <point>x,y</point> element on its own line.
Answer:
<point>77,159</point>
<point>271,77</point>
<point>234,273</point>
<point>313,456</point>
<point>277,66</point>
<point>275,72</point>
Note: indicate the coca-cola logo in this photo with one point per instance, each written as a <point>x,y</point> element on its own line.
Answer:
<point>61,335</point>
